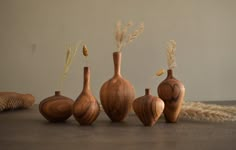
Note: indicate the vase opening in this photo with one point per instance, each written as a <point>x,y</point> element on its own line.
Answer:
<point>147,91</point>
<point>57,93</point>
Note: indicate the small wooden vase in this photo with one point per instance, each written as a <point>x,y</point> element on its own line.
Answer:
<point>86,108</point>
<point>172,92</point>
<point>56,108</point>
<point>148,108</point>
<point>117,94</point>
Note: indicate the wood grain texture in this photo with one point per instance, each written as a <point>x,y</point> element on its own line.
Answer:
<point>13,100</point>
<point>117,94</point>
<point>172,92</point>
<point>86,108</point>
<point>56,108</point>
<point>148,108</point>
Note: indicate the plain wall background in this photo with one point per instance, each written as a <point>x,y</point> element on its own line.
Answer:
<point>34,33</point>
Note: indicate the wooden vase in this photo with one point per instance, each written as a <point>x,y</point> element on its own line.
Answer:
<point>117,94</point>
<point>148,108</point>
<point>86,108</point>
<point>56,108</point>
<point>172,92</point>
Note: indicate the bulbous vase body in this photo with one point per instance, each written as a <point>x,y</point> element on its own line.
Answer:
<point>148,108</point>
<point>56,108</point>
<point>86,108</point>
<point>172,92</point>
<point>117,94</point>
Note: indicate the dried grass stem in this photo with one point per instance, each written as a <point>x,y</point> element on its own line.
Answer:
<point>171,48</point>
<point>70,54</point>
<point>122,36</point>
<point>208,112</point>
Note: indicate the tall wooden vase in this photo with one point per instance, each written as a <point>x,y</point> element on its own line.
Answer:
<point>56,108</point>
<point>86,108</point>
<point>172,92</point>
<point>117,94</point>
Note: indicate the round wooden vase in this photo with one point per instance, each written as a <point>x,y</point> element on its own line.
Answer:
<point>148,108</point>
<point>86,108</point>
<point>117,94</point>
<point>56,108</point>
<point>172,92</point>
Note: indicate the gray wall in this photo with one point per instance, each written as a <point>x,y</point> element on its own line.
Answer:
<point>33,35</point>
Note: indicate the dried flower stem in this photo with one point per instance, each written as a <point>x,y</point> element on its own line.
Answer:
<point>135,34</point>
<point>123,38</point>
<point>227,109</point>
<point>70,54</point>
<point>208,112</point>
<point>171,48</point>
<point>85,53</point>
<point>160,72</point>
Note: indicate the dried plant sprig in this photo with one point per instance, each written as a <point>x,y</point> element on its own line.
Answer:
<point>208,112</point>
<point>85,50</point>
<point>124,31</point>
<point>85,53</point>
<point>227,109</point>
<point>121,33</point>
<point>160,72</point>
<point>118,33</point>
<point>70,54</point>
<point>207,115</point>
<point>171,48</point>
<point>122,37</point>
<point>136,33</point>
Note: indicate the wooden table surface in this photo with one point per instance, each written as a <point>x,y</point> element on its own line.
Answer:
<point>28,130</point>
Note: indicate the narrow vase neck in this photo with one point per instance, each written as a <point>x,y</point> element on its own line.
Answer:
<point>86,79</point>
<point>117,63</point>
<point>57,93</point>
<point>170,74</point>
<point>147,91</point>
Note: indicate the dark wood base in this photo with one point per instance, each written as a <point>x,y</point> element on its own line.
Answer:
<point>28,130</point>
